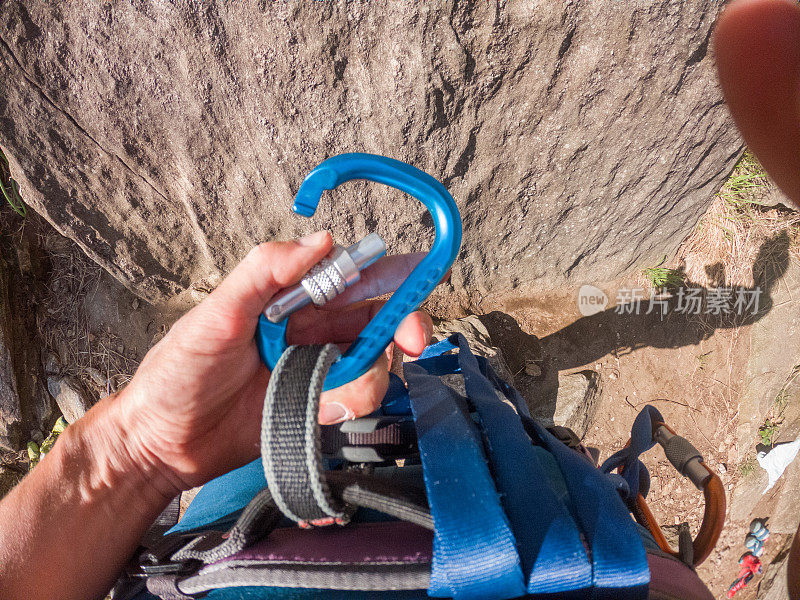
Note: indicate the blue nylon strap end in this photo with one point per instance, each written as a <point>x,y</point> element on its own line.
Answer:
<point>633,470</point>
<point>619,560</point>
<point>438,349</point>
<point>549,543</point>
<point>474,549</point>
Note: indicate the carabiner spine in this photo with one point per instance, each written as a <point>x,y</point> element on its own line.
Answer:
<point>379,332</point>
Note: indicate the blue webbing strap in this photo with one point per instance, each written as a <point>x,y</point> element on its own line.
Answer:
<point>549,544</point>
<point>474,551</point>
<point>619,561</point>
<point>634,472</point>
<point>435,361</point>
<point>438,349</point>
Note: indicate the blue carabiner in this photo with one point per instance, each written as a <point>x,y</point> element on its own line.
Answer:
<point>376,336</point>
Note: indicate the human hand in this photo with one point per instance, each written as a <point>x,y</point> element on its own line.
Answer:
<point>757,45</point>
<point>194,405</point>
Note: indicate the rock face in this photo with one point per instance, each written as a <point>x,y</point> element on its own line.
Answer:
<point>774,357</point>
<point>579,140</point>
<point>24,402</point>
<point>577,401</point>
<point>773,585</point>
<point>71,399</point>
<point>10,409</point>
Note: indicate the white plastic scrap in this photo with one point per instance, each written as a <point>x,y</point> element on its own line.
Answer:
<point>776,460</point>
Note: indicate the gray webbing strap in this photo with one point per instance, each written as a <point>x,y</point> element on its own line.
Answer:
<point>367,491</point>
<point>165,521</point>
<point>166,588</point>
<point>290,439</point>
<point>258,519</point>
<point>401,576</point>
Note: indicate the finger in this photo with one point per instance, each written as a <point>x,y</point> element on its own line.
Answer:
<point>414,333</point>
<point>266,269</point>
<point>381,278</point>
<point>757,45</point>
<point>357,398</point>
<point>312,325</point>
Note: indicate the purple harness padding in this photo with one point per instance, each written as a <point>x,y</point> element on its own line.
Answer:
<point>358,543</point>
<point>670,579</point>
<point>400,542</point>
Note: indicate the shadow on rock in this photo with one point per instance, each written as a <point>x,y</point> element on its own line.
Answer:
<point>541,366</point>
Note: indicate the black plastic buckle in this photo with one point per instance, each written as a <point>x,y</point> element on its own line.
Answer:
<point>366,440</point>
<point>182,568</point>
<point>156,560</point>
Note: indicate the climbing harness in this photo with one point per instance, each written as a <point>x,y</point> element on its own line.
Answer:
<point>446,492</point>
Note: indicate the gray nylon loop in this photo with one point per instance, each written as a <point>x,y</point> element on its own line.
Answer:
<point>290,438</point>
<point>168,517</point>
<point>257,520</point>
<point>166,588</point>
<point>405,502</point>
<point>405,576</point>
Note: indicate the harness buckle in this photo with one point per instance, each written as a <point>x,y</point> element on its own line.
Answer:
<point>157,559</point>
<point>371,439</point>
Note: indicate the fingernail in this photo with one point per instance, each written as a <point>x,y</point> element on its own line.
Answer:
<point>334,413</point>
<point>313,239</point>
<point>426,328</point>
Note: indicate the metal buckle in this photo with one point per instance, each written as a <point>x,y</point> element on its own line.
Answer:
<point>182,568</point>
<point>368,440</point>
<point>156,560</point>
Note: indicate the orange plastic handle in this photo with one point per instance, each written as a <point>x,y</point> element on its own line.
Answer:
<point>713,516</point>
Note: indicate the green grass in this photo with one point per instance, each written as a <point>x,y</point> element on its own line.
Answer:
<point>737,193</point>
<point>37,452</point>
<point>767,432</point>
<point>9,187</point>
<point>748,466</point>
<point>702,359</point>
<point>663,277</point>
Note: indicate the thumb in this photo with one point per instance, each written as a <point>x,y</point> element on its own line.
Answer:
<point>268,268</point>
<point>758,59</point>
